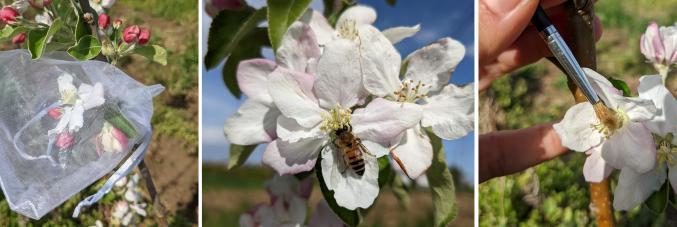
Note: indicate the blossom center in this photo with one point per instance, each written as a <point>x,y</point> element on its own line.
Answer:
<point>337,118</point>
<point>609,125</point>
<point>411,92</point>
<point>665,150</point>
<point>347,29</point>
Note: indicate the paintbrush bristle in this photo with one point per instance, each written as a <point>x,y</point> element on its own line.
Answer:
<point>606,116</point>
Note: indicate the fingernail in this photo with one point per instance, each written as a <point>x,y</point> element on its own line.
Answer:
<point>503,6</point>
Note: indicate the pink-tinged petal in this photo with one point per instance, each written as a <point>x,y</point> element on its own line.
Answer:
<point>669,36</point>
<point>651,87</point>
<point>289,130</point>
<point>382,120</point>
<point>292,158</point>
<point>120,137</point>
<point>575,129</point>
<point>324,216</point>
<point>633,187</point>
<point>397,34</point>
<point>292,93</point>
<point>350,190</point>
<point>252,77</point>
<point>361,14</point>
<point>320,26</point>
<point>253,123</point>
<point>631,146</point>
<point>339,80</point>
<point>380,62</point>
<point>451,112</point>
<point>595,168</point>
<point>434,63</point>
<point>651,44</point>
<point>414,154</point>
<point>298,48</point>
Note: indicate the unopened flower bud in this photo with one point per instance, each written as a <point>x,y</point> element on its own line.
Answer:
<point>117,23</point>
<point>39,4</point>
<point>144,36</point>
<point>55,113</point>
<point>104,21</point>
<point>19,39</point>
<point>131,34</point>
<point>8,15</point>
<point>65,140</point>
<point>213,7</point>
<point>107,48</point>
<point>89,18</point>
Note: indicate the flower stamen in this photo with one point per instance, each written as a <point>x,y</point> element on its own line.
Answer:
<point>410,92</point>
<point>666,152</point>
<point>335,119</point>
<point>611,123</point>
<point>347,29</point>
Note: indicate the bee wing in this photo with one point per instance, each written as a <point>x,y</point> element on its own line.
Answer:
<point>338,156</point>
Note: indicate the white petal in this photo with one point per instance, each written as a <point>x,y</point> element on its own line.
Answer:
<point>451,112</point>
<point>575,129</point>
<point>397,34</point>
<point>595,168</point>
<point>350,190</point>
<point>292,158</point>
<point>380,62</point>
<point>252,77</point>
<point>76,118</point>
<point>289,130</point>
<point>338,79</point>
<point>298,48</point>
<point>253,123</point>
<point>433,64</point>
<point>633,188</point>
<point>651,87</point>
<point>65,83</point>
<point>631,146</point>
<point>414,154</point>
<point>91,96</point>
<point>293,96</point>
<point>323,31</point>
<point>605,90</point>
<point>375,149</point>
<point>382,120</point>
<point>637,109</point>
<point>361,14</point>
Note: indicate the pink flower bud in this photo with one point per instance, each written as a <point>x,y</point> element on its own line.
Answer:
<point>131,34</point>
<point>213,7</point>
<point>111,139</point>
<point>144,36</point>
<point>104,21</point>
<point>659,44</point>
<point>8,15</point>
<point>55,113</point>
<point>39,4</point>
<point>19,39</point>
<point>117,23</point>
<point>65,140</point>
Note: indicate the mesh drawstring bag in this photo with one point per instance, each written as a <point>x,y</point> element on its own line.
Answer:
<point>64,124</point>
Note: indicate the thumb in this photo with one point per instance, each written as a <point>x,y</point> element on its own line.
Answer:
<point>500,23</point>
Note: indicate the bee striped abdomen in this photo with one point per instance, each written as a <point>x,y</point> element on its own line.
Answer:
<point>358,166</point>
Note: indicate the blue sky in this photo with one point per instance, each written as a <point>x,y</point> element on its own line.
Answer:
<point>438,19</point>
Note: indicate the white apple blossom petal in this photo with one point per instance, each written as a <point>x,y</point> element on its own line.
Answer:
<point>631,146</point>
<point>323,31</point>
<point>361,14</point>
<point>91,96</point>
<point>350,190</point>
<point>338,79</point>
<point>253,123</point>
<point>397,34</point>
<point>434,63</point>
<point>450,112</point>
<point>380,62</point>
<point>298,48</point>
<point>651,87</point>
<point>633,187</point>
<point>575,129</point>
<point>414,154</point>
<point>292,158</point>
<point>595,168</point>
<point>292,93</point>
<point>382,120</point>
<point>289,130</point>
<point>375,149</point>
<point>605,90</point>
<point>637,109</point>
<point>252,77</point>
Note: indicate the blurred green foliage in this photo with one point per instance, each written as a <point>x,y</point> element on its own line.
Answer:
<point>555,192</point>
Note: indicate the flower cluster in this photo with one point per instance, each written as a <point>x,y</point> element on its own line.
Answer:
<point>659,46</point>
<point>344,96</point>
<point>131,208</point>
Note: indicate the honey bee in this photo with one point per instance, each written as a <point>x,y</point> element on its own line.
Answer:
<point>352,150</point>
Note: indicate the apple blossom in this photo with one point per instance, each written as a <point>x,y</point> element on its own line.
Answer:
<point>100,6</point>
<point>659,46</point>
<point>9,15</point>
<point>144,36</point>
<point>131,33</point>
<point>625,144</point>
<point>287,205</point>
<point>19,39</point>
<point>447,108</point>
<point>43,18</point>
<point>104,21</point>
<point>111,140</point>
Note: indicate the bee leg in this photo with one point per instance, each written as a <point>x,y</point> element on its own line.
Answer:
<point>364,149</point>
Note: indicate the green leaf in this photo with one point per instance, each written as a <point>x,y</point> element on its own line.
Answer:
<point>154,53</point>
<point>620,85</point>
<point>6,32</point>
<point>38,38</point>
<point>658,201</point>
<point>391,2</point>
<point>81,29</point>
<point>249,49</point>
<point>114,116</point>
<point>385,172</point>
<point>86,48</point>
<point>441,184</point>
<point>281,14</point>
<point>349,217</point>
<point>227,30</point>
<point>239,154</point>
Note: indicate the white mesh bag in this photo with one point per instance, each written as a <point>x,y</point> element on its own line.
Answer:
<point>64,124</point>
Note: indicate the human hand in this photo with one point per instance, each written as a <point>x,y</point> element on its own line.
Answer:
<point>507,39</point>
